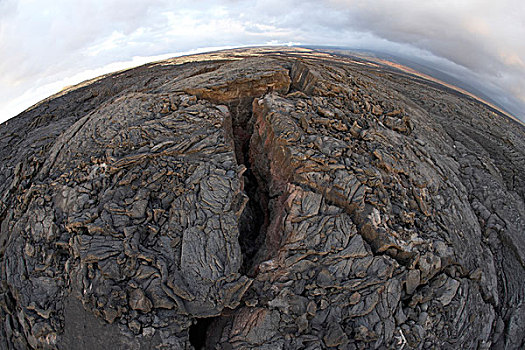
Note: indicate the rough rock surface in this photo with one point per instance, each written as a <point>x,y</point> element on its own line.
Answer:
<point>262,198</point>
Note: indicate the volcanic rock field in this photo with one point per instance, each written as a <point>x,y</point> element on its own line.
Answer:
<point>263,198</point>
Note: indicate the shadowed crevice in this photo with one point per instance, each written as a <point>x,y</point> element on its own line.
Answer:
<point>198,332</point>
<point>254,219</point>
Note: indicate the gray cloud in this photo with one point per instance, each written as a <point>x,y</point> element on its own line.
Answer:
<point>45,43</point>
<point>483,36</point>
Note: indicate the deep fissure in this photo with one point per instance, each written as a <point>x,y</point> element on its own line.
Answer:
<point>198,332</point>
<point>255,217</point>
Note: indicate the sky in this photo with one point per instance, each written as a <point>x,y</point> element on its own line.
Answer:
<point>46,45</point>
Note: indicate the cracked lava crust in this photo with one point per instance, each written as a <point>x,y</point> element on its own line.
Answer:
<point>262,198</point>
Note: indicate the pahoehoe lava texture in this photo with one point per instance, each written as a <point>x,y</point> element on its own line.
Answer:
<point>262,198</point>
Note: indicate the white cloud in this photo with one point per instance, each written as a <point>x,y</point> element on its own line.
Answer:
<point>50,42</point>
